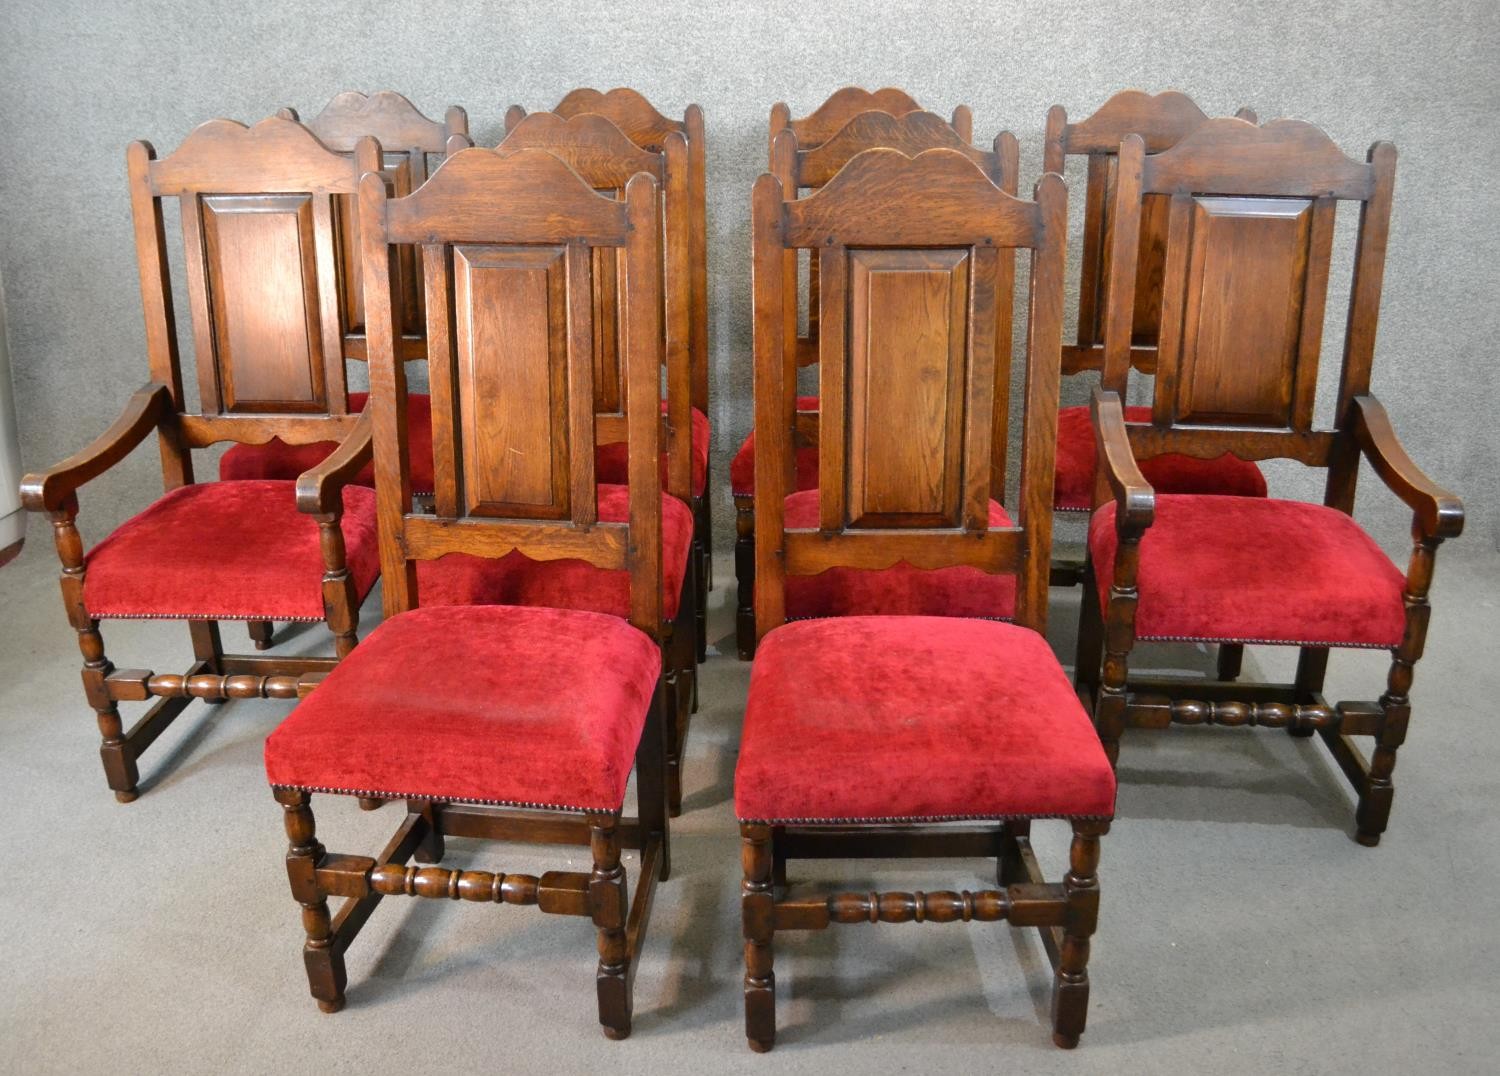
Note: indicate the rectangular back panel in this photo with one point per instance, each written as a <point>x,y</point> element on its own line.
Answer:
<point>261,267</point>
<point>510,337</point>
<point>908,335</point>
<point>1245,274</point>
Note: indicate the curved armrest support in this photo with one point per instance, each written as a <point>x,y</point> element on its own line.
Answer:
<point>321,490</point>
<point>1439,513</point>
<point>49,490</point>
<point>1135,500</point>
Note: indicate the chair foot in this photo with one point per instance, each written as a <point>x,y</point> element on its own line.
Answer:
<point>761,1046</point>
<point>127,795</point>
<point>370,803</point>
<point>615,1034</point>
<point>333,1006</point>
<point>1064,1042</point>
<point>261,632</point>
<point>1369,840</point>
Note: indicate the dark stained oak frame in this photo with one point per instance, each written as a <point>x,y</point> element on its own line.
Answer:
<point>649,129</point>
<point>529,224</point>
<point>606,159</point>
<point>808,169</point>
<point>1161,120</point>
<point>948,235</point>
<point>270,176</point>
<point>408,139</point>
<point>1272,191</point>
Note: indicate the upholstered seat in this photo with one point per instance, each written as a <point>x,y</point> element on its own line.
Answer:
<point>1076,461</point>
<point>1243,569</point>
<point>900,590</point>
<point>915,719</point>
<point>742,467</point>
<point>276,459</point>
<point>461,704</point>
<point>514,579</point>
<point>226,551</point>
<point>612,465</point>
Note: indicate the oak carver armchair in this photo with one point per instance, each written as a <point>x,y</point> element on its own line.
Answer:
<point>856,743</point>
<point>649,129</point>
<point>603,157</point>
<point>809,169</point>
<point>1161,120</point>
<point>505,722</point>
<point>1249,237</point>
<point>267,328</point>
<point>408,139</point>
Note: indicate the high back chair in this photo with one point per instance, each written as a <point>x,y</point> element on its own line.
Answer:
<point>601,154</point>
<point>257,210</point>
<point>856,739</point>
<point>802,169</point>
<point>496,721</point>
<point>649,129</point>
<point>1162,120</point>
<point>1249,240</point>
<point>408,140</point>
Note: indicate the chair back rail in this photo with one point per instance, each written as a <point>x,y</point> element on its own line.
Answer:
<point>1161,120</point>
<point>1249,239</point>
<point>407,138</point>
<point>913,253</point>
<point>606,159</point>
<point>508,243</point>
<point>262,279</point>
<point>829,118</point>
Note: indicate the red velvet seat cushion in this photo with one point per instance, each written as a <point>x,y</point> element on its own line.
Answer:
<point>226,551</point>
<point>1243,569</point>
<point>514,579</point>
<point>612,466</point>
<point>900,590</point>
<point>1073,490</point>
<point>276,459</point>
<point>742,467</point>
<point>898,719</point>
<point>478,704</point>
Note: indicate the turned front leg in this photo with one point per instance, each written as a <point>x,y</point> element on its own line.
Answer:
<point>757,914</point>
<point>326,977</point>
<point>340,601</point>
<point>608,907</point>
<point>1119,639</point>
<point>115,752</point>
<point>1070,990</point>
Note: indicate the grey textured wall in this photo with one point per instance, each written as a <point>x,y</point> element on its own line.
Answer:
<point>79,80</point>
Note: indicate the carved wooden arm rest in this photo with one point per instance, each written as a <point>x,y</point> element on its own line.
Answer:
<point>50,490</point>
<point>1135,500</point>
<point>1439,513</point>
<point>321,490</point>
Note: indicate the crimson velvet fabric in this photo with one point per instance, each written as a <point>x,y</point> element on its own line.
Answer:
<point>515,579</point>
<point>869,719</point>
<point>900,590</point>
<point>477,704</point>
<point>612,464</point>
<point>276,459</point>
<point>742,467</point>
<point>226,551</point>
<point>1073,490</point>
<point>1241,569</point>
